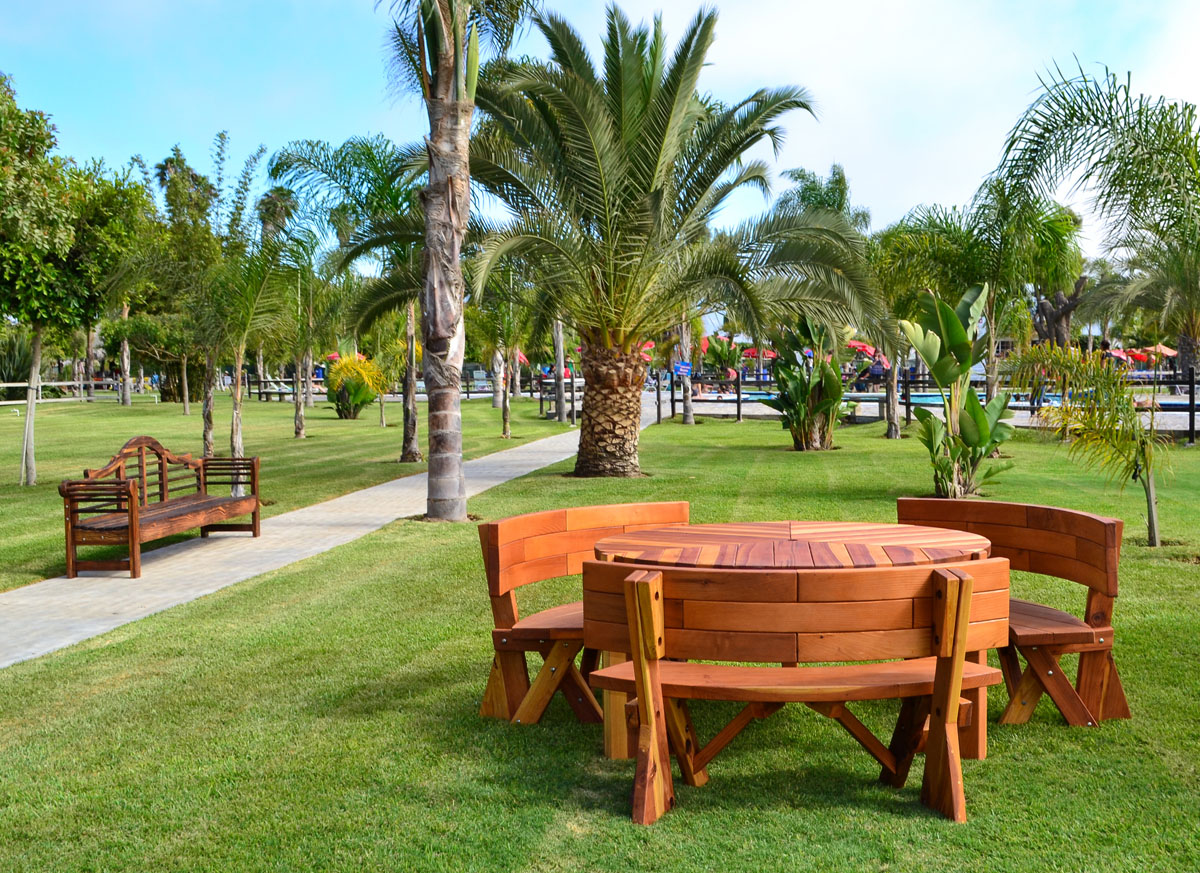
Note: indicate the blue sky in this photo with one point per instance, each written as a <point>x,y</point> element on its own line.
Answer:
<point>914,98</point>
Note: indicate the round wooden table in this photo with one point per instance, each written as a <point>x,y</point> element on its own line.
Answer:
<point>767,545</point>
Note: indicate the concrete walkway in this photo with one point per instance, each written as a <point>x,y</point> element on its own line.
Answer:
<point>59,612</point>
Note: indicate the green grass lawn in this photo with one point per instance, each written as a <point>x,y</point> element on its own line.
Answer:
<point>337,457</point>
<point>323,716</point>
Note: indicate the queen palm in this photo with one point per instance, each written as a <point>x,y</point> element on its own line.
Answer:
<point>614,175</point>
<point>366,189</point>
<point>1139,156</point>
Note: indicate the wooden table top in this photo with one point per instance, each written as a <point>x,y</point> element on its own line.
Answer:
<point>766,545</point>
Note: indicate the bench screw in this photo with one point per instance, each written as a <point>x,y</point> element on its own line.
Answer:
<point>552,669</point>
<point>1101,639</point>
<point>1049,672</point>
<point>504,639</point>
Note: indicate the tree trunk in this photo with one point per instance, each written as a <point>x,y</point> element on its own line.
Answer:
<point>506,408</point>
<point>497,379</point>
<point>187,400</point>
<point>309,387</point>
<point>141,386</point>
<point>260,367</point>
<point>608,431</point>
<point>89,365</point>
<point>514,372</point>
<point>891,391</point>
<point>446,199</point>
<point>992,367</point>
<point>382,412</point>
<point>1152,537</point>
<point>126,400</point>
<point>298,399</point>
<point>560,364</point>
<point>28,461</point>
<point>685,382</point>
<point>410,453</point>
<point>210,399</point>
<point>236,447</point>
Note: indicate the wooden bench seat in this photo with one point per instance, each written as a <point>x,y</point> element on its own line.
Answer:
<point>147,492</point>
<point>1035,624</point>
<point>524,549</point>
<point>1066,544</point>
<point>158,520</point>
<point>890,680</point>
<point>922,619</point>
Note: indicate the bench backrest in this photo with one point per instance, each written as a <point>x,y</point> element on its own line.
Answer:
<point>1072,545</point>
<point>796,615</point>
<point>545,545</point>
<point>159,473</point>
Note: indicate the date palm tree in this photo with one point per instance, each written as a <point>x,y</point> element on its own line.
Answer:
<point>1139,157</point>
<point>614,174</point>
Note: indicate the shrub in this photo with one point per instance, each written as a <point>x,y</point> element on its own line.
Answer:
<point>353,385</point>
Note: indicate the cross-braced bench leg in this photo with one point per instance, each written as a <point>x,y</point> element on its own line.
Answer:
<point>559,673</point>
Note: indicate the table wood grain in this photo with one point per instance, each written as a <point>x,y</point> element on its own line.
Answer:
<point>768,545</point>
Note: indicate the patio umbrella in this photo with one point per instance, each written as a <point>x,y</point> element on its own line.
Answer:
<point>753,353</point>
<point>521,358</point>
<point>1160,349</point>
<point>703,345</point>
<point>860,346</point>
<point>1134,354</point>
<point>1119,354</point>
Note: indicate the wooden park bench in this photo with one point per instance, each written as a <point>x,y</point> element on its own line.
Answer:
<point>930,616</point>
<point>1075,546</point>
<point>145,493</point>
<point>531,548</point>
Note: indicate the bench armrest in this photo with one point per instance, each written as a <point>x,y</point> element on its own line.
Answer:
<point>230,471</point>
<point>98,496</point>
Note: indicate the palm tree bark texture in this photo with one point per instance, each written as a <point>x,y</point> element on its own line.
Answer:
<point>608,430</point>
<point>446,200</point>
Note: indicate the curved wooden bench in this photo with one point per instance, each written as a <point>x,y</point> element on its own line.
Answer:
<point>529,548</point>
<point>147,492</point>
<point>1076,546</point>
<point>930,616</point>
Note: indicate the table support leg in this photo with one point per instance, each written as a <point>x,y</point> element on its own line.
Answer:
<point>616,727</point>
<point>972,739</point>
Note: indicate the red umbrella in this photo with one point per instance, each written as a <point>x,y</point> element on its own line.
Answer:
<point>860,346</point>
<point>704,345</point>
<point>753,353</point>
<point>521,357</point>
<point>1119,354</point>
<point>1138,356</point>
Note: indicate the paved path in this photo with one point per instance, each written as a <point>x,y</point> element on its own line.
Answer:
<point>59,612</point>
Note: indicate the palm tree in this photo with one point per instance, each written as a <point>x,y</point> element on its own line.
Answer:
<point>366,189</point>
<point>436,48</point>
<point>614,174</point>
<point>1139,156</point>
<point>809,189</point>
<point>1003,240</point>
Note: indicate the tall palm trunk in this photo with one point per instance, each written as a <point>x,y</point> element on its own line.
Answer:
<point>28,461</point>
<point>993,362</point>
<point>126,400</point>
<point>141,383</point>
<point>560,364</point>
<point>236,448</point>
<point>89,365</point>
<point>608,431</point>
<point>411,451</point>
<point>183,372</point>
<point>497,379</point>
<point>514,371</point>
<point>685,381</point>
<point>210,399</point>
<point>891,391</point>
<point>505,407</point>
<point>260,365</point>
<point>309,388</point>
<point>298,398</point>
<point>446,200</point>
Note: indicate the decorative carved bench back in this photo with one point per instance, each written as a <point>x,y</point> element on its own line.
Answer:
<point>160,474</point>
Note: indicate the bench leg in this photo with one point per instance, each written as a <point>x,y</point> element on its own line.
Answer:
<point>559,662</point>
<point>616,734</point>
<point>256,529</point>
<point>1043,668</point>
<point>507,686</point>
<point>972,739</point>
<point>72,570</point>
<point>907,739</point>
<point>1100,686</point>
<point>135,559</point>
<point>681,735</point>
